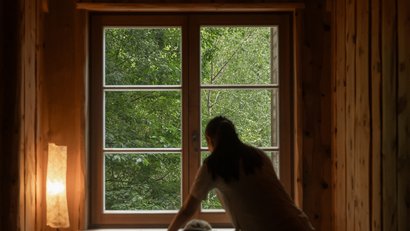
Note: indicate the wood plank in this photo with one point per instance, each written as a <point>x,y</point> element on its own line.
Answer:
<point>79,96</point>
<point>316,106</point>
<point>403,174</point>
<point>28,164</point>
<point>325,122</point>
<point>350,111</point>
<point>309,184</point>
<point>339,163</point>
<point>389,114</point>
<point>362,119</point>
<point>375,60</point>
<point>297,105</point>
<point>41,120</point>
<point>191,7</point>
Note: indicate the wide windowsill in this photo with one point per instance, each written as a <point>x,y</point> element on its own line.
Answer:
<point>222,229</point>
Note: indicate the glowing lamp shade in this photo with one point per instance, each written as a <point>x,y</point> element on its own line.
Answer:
<point>57,211</point>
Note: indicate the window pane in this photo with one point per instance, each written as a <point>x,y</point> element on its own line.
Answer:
<point>142,181</point>
<point>254,113</point>
<point>142,56</point>
<point>211,202</point>
<point>142,119</point>
<point>239,55</point>
<point>274,156</point>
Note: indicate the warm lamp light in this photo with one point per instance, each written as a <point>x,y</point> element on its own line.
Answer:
<point>57,211</point>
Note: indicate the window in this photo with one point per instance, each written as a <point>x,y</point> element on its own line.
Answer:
<point>155,82</point>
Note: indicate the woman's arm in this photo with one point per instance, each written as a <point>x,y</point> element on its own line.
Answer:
<point>189,208</point>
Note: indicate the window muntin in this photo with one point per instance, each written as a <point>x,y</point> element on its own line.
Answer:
<point>189,89</point>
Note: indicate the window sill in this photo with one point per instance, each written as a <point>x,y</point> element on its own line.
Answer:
<point>222,229</point>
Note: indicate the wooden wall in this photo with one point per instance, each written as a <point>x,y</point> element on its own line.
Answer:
<point>371,67</point>
<point>316,113</point>
<point>42,100</point>
<point>28,145</point>
<point>62,107</point>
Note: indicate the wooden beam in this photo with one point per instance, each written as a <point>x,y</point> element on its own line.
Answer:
<point>190,7</point>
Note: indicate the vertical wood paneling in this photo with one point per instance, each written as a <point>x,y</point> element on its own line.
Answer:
<point>325,121</point>
<point>298,165</point>
<point>41,134</point>
<point>339,162</point>
<point>316,107</point>
<point>403,104</point>
<point>377,116</point>
<point>350,111</point>
<point>62,116</point>
<point>362,119</point>
<point>375,79</point>
<point>389,114</point>
<point>28,152</point>
<point>80,71</point>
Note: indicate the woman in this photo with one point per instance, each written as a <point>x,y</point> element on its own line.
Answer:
<point>246,183</point>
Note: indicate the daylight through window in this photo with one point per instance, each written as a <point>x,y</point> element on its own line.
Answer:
<point>155,83</point>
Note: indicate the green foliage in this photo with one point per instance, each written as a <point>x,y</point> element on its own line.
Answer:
<point>142,56</point>
<point>141,119</point>
<point>152,119</point>
<point>143,181</point>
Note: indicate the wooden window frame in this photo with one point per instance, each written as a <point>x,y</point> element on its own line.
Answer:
<point>191,127</point>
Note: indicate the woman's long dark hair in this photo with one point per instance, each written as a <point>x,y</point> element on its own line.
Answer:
<point>229,150</point>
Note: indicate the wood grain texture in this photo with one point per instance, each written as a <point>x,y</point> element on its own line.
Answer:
<point>297,105</point>
<point>403,110</point>
<point>62,110</point>
<point>389,114</point>
<point>339,121</point>
<point>191,7</point>
<point>362,119</point>
<point>350,111</point>
<point>375,79</point>
<point>316,110</point>
<point>28,150</point>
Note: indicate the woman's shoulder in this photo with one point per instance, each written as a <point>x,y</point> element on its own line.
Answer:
<point>257,152</point>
